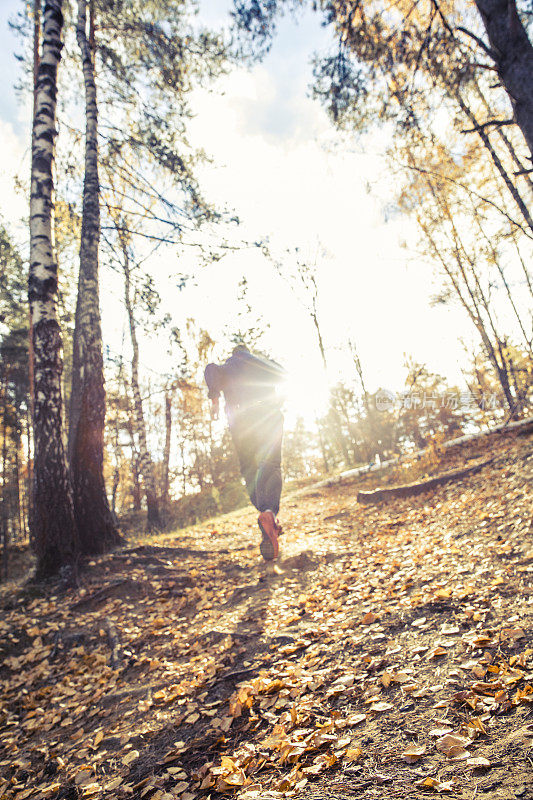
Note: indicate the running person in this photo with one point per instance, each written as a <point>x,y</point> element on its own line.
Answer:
<point>248,383</point>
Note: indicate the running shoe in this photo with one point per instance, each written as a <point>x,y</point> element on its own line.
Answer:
<point>269,542</point>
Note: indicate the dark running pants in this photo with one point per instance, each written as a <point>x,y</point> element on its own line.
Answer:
<point>257,435</point>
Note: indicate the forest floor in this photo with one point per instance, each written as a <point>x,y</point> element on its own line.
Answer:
<point>387,654</point>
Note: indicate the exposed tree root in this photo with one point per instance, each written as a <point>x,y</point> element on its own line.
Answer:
<point>125,588</point>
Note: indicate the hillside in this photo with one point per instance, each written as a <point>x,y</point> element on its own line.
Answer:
<point>388,654</point>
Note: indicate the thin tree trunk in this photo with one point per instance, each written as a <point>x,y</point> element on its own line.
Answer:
<point>322,443</point>
<point>116,482</point>
<point>29,477</point>
<point>137,494</point>
<point>96,524</point>
<point>52,522</point>
<point>5,509</point>
<point>211,459</point>
<point>31,358</point>
<point>512,53</point>
<point>338,432</point>
<point>314,317</point>
<point>146,465</point>
<point>360,375</point>
<point>370,422</point>
<point>183,469</point>
<point>22,483</point>
<point>474,311</point>
<point>166,454</point>
<point>513,235</point>
<point>483,135</point>
<point>118,461</point>
<point>16,475</point>
<point>36,60</point>
<point>504,138</point>
<point>496,261</point>
<point>349,444</point>
<point>198,467</point>
<point>479,298</point>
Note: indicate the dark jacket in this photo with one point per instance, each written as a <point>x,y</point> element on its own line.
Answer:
<point>245,380</point>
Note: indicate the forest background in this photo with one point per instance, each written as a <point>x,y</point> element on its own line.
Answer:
<point>362,220</point>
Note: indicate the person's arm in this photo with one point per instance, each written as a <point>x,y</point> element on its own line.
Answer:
<point>213,378</point>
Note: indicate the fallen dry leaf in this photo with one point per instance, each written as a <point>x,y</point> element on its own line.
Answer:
<point>381,706</point>
<point>84,776</point>
<point>355,719</point>
<point>478,762</point>
<point>437,733</point>
<point>434,783</point>
<point>453,746</point>
<point>413,753</point>
<point>353,753</point>
<point>130,757</point>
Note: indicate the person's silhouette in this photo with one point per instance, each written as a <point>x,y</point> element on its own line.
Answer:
<point>248,383</point>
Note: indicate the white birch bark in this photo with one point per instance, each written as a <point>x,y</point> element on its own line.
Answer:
<point>53,529</point>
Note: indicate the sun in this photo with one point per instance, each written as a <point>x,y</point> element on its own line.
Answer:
<point>305,394</point>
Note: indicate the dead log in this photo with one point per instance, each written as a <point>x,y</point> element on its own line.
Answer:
<point>412,489</point>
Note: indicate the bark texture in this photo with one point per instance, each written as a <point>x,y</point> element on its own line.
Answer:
<point>513,55</point>
<point>53,528</point>
<point>96,525</point>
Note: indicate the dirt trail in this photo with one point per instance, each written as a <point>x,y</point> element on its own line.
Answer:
<point>388,654</point>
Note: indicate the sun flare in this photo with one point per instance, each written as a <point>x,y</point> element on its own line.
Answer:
<point>304,395</point>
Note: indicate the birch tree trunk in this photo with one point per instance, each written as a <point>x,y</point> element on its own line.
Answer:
<point>53,528</point>
<point>96,525</point>
<point>146,466</point>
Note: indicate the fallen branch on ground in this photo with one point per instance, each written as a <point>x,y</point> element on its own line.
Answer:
<point>410,489</point>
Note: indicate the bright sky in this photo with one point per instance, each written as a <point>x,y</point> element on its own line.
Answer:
<point>280,165</point>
